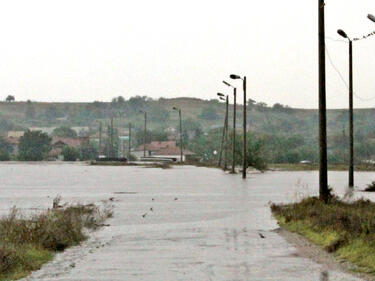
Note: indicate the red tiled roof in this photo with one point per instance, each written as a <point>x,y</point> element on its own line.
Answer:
<point>69,141</point>
<point>173,151</point>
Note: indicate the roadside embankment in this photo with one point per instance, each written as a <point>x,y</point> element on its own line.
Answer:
<point>345,229</point>
<point>27,242</point>
<point>315,167</point>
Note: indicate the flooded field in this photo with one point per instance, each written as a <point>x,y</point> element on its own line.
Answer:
<point>184,223</point>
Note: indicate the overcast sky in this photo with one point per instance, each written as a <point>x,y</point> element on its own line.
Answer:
<point>95,50</point>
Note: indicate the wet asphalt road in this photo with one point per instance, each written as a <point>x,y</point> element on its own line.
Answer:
<point>184,223</point>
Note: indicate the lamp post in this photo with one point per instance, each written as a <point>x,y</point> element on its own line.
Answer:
<point>234,126</point>
<point>225,131</point>
<point>351,141</point>
<point>145,133</point>
<point>323,172</point>
<point>371,17</point>
<point>181,146</point>
<point>130,140</point>
<point>244,160</point>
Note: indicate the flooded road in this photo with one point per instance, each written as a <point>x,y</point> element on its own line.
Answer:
<point>183,223</point>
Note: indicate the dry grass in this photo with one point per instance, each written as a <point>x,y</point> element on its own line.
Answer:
<point>29,241</point>
<point>345,229</point>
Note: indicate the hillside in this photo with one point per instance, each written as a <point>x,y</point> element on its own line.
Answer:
<point>292,130</point>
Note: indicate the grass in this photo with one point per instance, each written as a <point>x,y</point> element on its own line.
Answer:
<point>27,242</point>
<point>345,229</point>
<point>315,167</point>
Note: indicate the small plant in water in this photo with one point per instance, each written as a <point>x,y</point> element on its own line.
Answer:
<point>370,187</point>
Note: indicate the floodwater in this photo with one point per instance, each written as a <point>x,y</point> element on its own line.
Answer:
<point>184,223</point>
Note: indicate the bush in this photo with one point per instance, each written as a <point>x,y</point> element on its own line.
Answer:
<point>34,146</point>
<point>28,242</point>
<point>70,153</point>
<point>370,187</point>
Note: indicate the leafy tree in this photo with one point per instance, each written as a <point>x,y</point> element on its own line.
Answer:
<point>34,146</point>
<point>70,153</point>
<point>10,98</point>
<point>159,114</point>
<point>30,110</point>
<point>139,136</point>
<point>88,152</point>
<point>64,132</point>
<point>209,113</point>
<point>5,150</point>
<point>51,113</point>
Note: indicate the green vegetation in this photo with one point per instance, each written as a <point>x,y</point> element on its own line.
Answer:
<point>64,132</point>
<point>288,135</point>
<point>370,187</point>
<point>5,150</point>
<point>70,153</point>
<point>29,242</point>
<point>34,146</point>
<point>315,167</point>
<point>345,229</point>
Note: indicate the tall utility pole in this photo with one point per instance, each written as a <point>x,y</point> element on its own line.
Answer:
<point>130,140</point>
<point>112,146</point>
<point>145,133</point>
<point>323,173</point>
<point>234,131</point>
<point>226,135</point>
<point>351,164</point>
<point>351,137</point>
<point>181,143</point>
<point>234,126</point>
<point>244,160</point>
<point>225,129</point>
<point>100,137</point>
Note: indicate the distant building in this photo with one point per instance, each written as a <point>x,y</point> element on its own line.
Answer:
<point>13,141</point>
<point>58,143</point>
<point>163,149</point>
<point>15,134</point>
<point>46,130</point>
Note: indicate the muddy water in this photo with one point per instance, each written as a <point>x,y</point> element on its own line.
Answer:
<point>184,223</point>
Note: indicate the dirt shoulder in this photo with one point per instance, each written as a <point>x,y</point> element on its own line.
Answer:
<point>306,249</point>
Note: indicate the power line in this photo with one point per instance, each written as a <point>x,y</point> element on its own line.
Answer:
<point>343,79</point>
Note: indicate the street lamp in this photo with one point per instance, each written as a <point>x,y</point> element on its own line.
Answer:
<point>145,133</point>
<point>244,160</point>
<point>225,131</point>
<point>234,125</point>
<point>351,141</point>
<point>371,17</point>
<point>181,152</point>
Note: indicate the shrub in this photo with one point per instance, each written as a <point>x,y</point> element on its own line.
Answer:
<point>370,187</point>
<point>70,153</point>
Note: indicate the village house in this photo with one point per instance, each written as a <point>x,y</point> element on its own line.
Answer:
<point>58,143</point>
<point>163,149</point>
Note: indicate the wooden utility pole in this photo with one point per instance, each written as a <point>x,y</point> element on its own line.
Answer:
<point>144,138</point>
<point>351,164</point>
<point>100,138</point>
<point>112,146</point>
<point>224,132</point>
<point>244,159</point>
<point>130,140</point>
<point>323,172</point>
<point>226,135</point>
<point>234,131</point>
<point>181,143</point>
